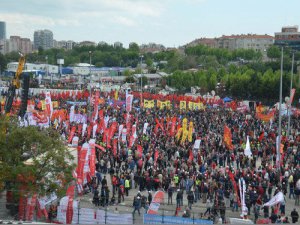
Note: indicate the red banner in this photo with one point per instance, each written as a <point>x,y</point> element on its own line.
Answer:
<point>92,160</point>
<point>70,191</point>
<point>22,207</point>
<point>69,214</point>
<point>96,103</point>
<point>81,162</point>
<point>129,99</point>
<point>31,207</point>
<point>228,137</point>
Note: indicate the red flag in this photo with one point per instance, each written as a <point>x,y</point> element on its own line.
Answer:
<point>71,134</point>
<point>159,124</point>
<point>100,147</point>
<point>228,137</point>
<point>231,176</point>
<point>191,155</point>
<point>111,133</point>
<point>292,95</point>
<point>233,106</point>
<point>155,156</point>
<point>140,150</point>
<point>89,131</point>
<point>261,136</point>
<point>172,131</point>
<point>115,144</point>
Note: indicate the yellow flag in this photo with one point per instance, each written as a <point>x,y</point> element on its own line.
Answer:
<point>168,104</point>
<point>148,104</point>
<point>158,103</point>
<point>184,136</point>
<point>182,105</point>
<point>43,104</point>
<point>55,104</point>
<point>191,105</point>
<point>179,132</point>
<point>184,124</point>
<point>116,94</point>
<point>190,134</point>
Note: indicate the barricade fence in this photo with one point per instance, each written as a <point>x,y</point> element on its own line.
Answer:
<point>113,214</point>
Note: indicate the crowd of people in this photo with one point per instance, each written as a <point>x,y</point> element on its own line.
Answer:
<point>206,175</point>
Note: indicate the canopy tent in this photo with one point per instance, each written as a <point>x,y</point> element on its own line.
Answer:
<point>227,99</point>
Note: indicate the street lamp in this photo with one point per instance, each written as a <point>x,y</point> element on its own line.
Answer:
<point>90,72</point>
<point>290,102</point>
<point>47,69</point>
<point>90,54</point>
<point>141,79</point>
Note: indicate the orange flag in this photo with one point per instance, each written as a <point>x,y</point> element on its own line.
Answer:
<point>228,137</point>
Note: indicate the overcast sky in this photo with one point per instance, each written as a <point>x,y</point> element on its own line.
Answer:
<point>169,22</point>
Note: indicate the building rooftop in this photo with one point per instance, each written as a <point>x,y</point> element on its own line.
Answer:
<point>248,36</point>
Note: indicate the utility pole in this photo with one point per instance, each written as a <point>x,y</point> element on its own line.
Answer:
<point>290,102</point>
<point>278,156</point>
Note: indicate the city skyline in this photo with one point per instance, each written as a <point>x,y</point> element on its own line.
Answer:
<point>170,22</point>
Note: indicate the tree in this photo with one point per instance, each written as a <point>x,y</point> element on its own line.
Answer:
<point>3,63</point>
<point>273,52</point>
<point>35,160</point>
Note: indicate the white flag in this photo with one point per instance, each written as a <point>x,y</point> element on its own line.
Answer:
<point>278,198</point>
<point>247,150</point>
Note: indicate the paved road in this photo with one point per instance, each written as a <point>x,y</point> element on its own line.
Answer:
<point>197,208</point>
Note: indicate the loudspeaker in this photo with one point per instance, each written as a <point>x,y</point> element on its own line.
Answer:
<point>24,95</point>
<point>9,98</point>
<point>251,105</point>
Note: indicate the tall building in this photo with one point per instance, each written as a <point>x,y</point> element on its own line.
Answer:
<point>68,45</point>
<point>14,44</point>
<point>26,45</point>
<point>2,30</point>
<point>18,44</point>
<point>289,36</point>
<point>43,38</point>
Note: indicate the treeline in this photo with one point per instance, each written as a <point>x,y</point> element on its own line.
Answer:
<point>239,83</point>
<point>242,73</point>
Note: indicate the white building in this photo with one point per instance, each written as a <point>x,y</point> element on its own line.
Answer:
<point>249,41</point>
<point>12,67</point>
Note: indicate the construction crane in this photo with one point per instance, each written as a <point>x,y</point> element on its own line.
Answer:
<point>16,84</point>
